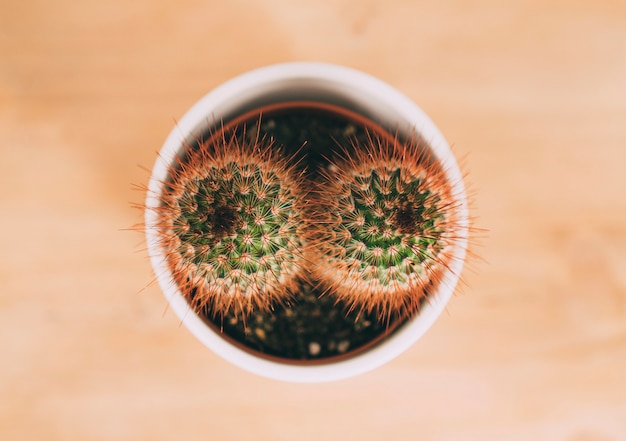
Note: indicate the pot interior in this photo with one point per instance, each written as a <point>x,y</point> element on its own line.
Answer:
<point>314,327</point>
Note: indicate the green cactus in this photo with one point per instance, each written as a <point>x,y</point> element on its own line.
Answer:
<point>387,225</point>
<point>231,218</point>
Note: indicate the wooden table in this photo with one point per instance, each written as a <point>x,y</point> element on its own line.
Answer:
<point>531,93</point>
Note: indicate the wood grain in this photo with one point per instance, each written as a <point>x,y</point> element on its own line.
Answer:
<point>532,94</point>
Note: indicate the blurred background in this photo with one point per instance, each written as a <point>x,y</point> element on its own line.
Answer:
<point>532,94</point>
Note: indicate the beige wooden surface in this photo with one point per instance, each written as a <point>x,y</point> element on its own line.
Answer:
<point>532,92</point>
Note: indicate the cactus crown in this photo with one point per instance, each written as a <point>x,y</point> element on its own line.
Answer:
<point>388,239</point>
<point>231,216</point>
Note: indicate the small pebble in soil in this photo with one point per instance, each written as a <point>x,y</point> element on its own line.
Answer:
<point>260,333</point>
<point>343,346</point>
<point>314,348</point>
<point>350,130</point>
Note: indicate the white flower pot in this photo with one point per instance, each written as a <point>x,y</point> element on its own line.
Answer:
<point>332,84</point>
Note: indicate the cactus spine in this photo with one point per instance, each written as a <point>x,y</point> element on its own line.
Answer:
<point>387,226</point>
<point>230,221</point>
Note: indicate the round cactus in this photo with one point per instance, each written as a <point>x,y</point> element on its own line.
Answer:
<point>387,226</point>
<point>230,219</point>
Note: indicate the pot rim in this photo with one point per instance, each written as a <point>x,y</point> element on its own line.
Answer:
<point>327,83</point>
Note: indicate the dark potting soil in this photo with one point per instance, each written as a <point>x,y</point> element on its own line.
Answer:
<point>313,326</point>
